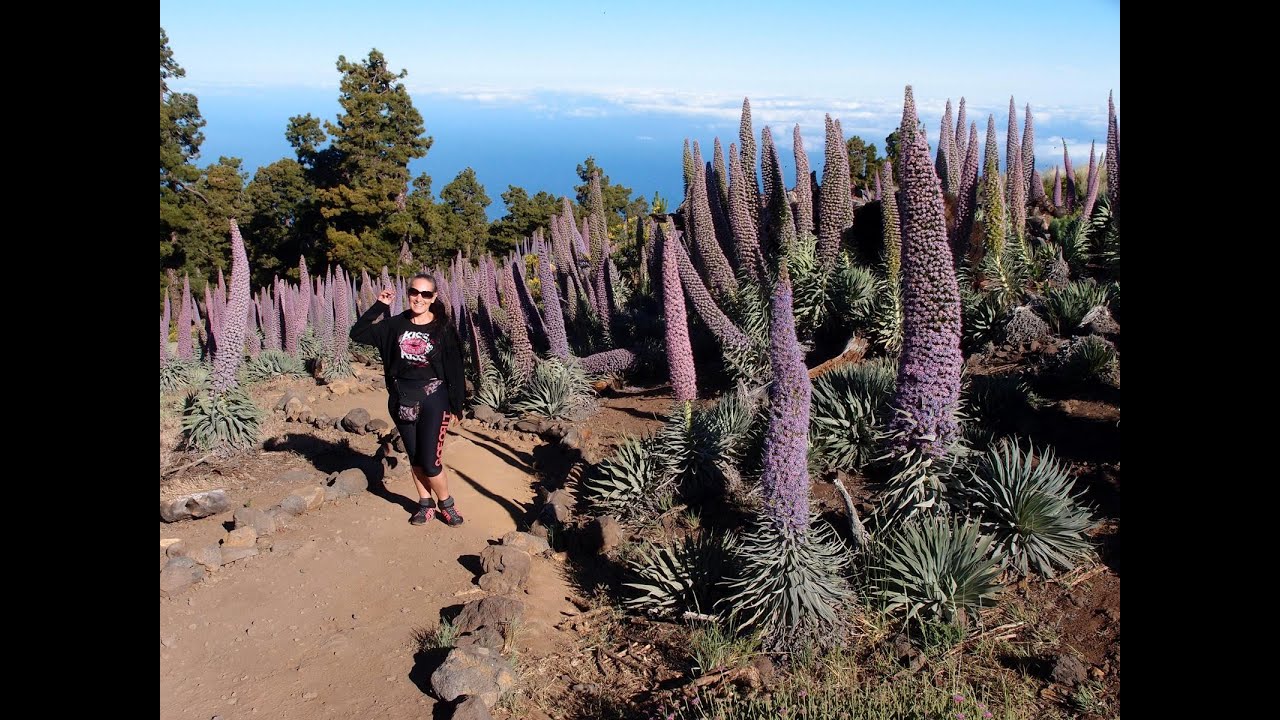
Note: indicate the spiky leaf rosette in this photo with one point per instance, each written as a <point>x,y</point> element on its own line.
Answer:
<point>178,373</point>
<point>849,406</point>
<point>700,449</point>
<point>783,581</point>
<point>933,567</point>
<point>679,352</point>
<point>918,480</point>
<point>499,385</point>
<point>885,317</point>
<point>929,373</point>
<point>273,363</point>
<point>627,484</point>
<point>682,576</point>
<point>556,390</point>
<point>230,347</point>
<point>1030,509</point>
<point>1091,360</point>
<point>982,317</point>
<point>851,290</point>
<point>1066,307</point>
<point>785,477</point>
<point>804,193</point>
<point>835,206</point>
<point>809,305</point>
<point>222,421</point>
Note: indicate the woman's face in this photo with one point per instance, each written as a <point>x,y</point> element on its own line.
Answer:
<point>422,293</point>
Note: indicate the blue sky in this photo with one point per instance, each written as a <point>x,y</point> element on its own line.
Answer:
<point>523,91</point>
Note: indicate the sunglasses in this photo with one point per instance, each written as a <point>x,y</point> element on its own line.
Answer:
<point>426,294</point>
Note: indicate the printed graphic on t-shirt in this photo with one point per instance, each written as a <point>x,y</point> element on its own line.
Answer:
<point>416,347</point>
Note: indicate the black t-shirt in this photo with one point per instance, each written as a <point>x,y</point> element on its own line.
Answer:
<point>411,351</point>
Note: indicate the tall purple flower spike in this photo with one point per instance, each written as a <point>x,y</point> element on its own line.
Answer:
<point>610,362</point>
<point>341,316</point>
<point>719,273</point>
<point>766,166</point>
<point>929,367</point>
<point>782,228</point>
<point>231,340</point>
<point>891,226</point>
<point>1037,189</point>
<point>747,156</point>
<point>718,199</point>
<point>1011,145</point>
<point>962,147</point>
<point>599,228</point>
<point>804,194</point>
<point>746,239</point>
<point>536,324</point>
<point>1091,189</point>
<point>835,206</point>
<point>687,161</point>
<point>520,345</point>
<point>720,172</point>
<point>679,353</point>
<point>556,336</point>
<point>1070,178</point>
<point>967,199</point>
<point>946,158</point>
<point>1018,198</point>
<point>252,340</point>
<point>1113,155</point>
<point>1028,150</point>
<point>1057,187</point>
<point>164,329</point>
<point>785,478</point>
<point>991,160</point>
<point>186,350</point>
<point>725,331</point>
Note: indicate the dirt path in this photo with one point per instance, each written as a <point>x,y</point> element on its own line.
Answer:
<point>325,624</point>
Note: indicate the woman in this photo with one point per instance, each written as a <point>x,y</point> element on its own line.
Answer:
<point>422,362</point>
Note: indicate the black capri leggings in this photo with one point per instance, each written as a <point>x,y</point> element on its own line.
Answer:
<point>424,437</point>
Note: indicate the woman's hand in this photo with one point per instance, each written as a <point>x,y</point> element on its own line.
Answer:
<point>386,296</point>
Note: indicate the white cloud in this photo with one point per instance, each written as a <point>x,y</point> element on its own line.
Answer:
<point>644,138</point>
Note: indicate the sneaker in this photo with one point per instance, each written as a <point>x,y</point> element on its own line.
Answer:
<point>450,515</point>
<point>424,514</point>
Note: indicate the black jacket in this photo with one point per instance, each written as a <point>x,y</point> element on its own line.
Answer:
<point>397,338</point>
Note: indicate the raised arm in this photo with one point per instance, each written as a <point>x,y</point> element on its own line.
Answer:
<point>368,332</point>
